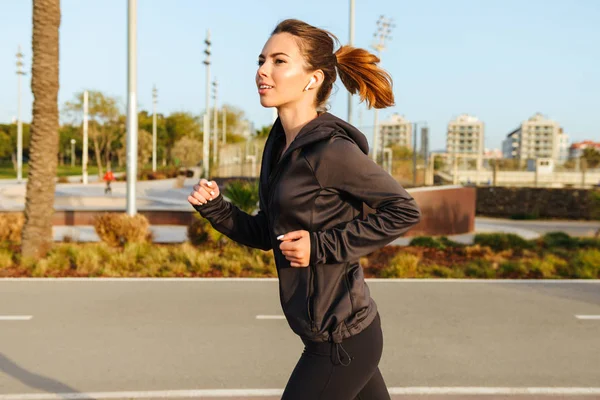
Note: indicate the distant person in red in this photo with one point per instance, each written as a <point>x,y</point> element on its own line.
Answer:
<point>108,177</point>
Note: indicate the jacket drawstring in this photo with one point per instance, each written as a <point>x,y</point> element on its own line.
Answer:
<point>337,353</point>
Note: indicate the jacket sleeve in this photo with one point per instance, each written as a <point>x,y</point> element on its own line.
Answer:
<point>249,230</point>
<point>344,167</point>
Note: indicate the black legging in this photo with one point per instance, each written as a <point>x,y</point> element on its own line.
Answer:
<point>324,371</point>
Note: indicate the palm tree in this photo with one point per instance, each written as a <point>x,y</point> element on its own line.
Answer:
<point>39,200</point>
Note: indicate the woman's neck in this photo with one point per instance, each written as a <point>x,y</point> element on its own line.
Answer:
<point>293,120</point>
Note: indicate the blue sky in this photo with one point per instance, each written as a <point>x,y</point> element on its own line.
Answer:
<point>500,60</point>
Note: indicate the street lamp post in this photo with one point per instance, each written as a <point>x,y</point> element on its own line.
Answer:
<point>73,152</point>
<point>224,125</point>
<point>84,154</point>
<point>384,28</point>
<point>154,98</point>
<point>20,73</point>
<point>206,136</point>
<point>215,123</point>
<point>132,117</point>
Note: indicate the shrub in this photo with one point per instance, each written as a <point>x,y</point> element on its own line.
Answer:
<point>201,233</point>
<point>117,229</point>
<point>553,240</point>
<point>427,241</point>
<point>11,226</point>
<point>586,264</point>
<point>545,268</point>
<point>450,243</point>
<point>63,179</point>
<point>6,259</point>
<point>479,269</point>
<point>512,269</point>
<point>401,266</point>
<point>502,241</point>
<point>589,243</point>
<point>243,194</point>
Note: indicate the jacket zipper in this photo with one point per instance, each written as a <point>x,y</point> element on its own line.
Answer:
<point>310,300</point>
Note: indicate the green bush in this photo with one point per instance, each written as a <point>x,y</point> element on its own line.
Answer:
<point>553,240</point>
<point>545,268</point>
<point>426,241</point>
<point>586,264</point>
<point>6,259</point>
<point>402,265</point>
<point>502,241</point>
<point>450,243</point>
<point>243,194</point>
<point>118,229</point>
<point>482,269</point>
<point>512,269</point>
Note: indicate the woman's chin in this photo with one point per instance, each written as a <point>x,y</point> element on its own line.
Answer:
<point>266,103</point>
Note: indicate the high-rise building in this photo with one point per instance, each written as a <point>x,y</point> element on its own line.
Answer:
<point>538,137</point>
<point>465,135</point>
<point>396,130</point>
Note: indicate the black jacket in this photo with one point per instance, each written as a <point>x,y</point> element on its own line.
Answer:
<point>319,185</point>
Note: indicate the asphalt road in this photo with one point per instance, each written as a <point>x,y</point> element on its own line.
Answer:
<point>202,339</point>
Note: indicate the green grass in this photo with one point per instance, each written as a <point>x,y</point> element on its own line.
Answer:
<point>7,171</point>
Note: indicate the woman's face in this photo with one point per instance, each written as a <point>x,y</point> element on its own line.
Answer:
<point>281,76</point>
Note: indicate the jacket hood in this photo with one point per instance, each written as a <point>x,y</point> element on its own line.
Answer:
<point>325,126</point>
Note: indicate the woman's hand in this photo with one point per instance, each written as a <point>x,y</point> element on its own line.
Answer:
<point>296,247</point>
<point>203,192</point>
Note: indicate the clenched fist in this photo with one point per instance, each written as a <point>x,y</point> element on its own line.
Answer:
<point>203,192</point>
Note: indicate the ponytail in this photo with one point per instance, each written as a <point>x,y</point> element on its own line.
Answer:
<point>360,74</point>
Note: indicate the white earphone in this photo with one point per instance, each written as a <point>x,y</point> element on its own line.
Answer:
<point>312,80</point>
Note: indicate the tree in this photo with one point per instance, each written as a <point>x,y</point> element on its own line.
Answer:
<point>105,126</point>
<point>264,131</point>
<point>11,131</point>
<point>400,152</point>
<point>178,125</point>
<point>39,198</point>
<point>591,157</point>
<point>187,151</point>
<point>144,148</point>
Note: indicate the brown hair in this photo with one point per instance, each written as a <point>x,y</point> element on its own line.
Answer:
<point>357,67</point>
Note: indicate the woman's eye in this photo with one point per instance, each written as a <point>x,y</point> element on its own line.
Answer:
<point>260,62</point>
<point>278,61</point>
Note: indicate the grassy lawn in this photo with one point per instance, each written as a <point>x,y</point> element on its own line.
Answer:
<point>7,171</point>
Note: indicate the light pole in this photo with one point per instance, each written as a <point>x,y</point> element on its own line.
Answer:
<point>154,98</point>
<point>206,136</point>
<point>384,28</point>
<point>84,154</point>
<point>132,117</point>
<point>20,73</point>
<point>72,152</point>
<point>224,125</point>
<point>351,43</point>
<point>215,122</point>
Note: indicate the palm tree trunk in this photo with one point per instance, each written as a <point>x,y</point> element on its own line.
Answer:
<point>39,200</point>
